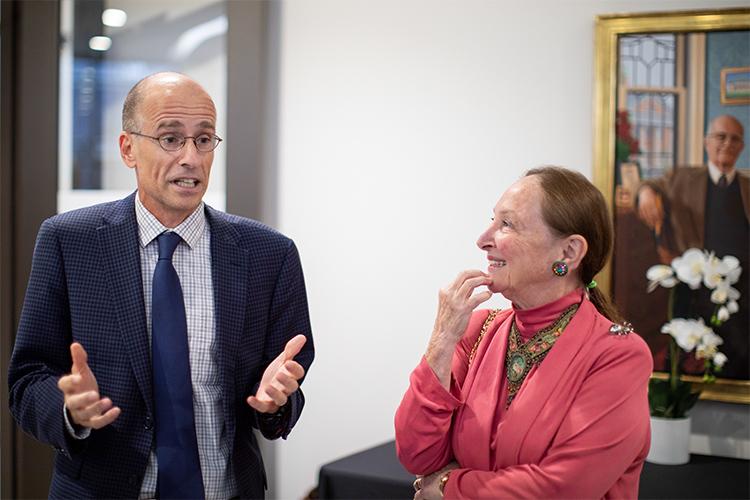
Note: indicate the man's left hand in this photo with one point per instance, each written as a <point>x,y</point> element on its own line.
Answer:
<point>280,379</point>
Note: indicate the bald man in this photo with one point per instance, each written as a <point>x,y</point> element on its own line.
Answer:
<point>708,208</point>
<point>157,332</point>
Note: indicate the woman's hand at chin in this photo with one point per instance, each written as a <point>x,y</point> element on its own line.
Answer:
<point>456,303</point>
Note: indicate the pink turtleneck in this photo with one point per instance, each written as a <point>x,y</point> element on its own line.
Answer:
<point>530,321</point>
<point>577,428</point>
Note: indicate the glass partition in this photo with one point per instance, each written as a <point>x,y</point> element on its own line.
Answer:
<point>106,47</point>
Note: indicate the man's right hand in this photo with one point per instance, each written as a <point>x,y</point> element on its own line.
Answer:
<point>85,406</point>
<point>650,208</point>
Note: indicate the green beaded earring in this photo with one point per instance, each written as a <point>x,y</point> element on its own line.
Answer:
<point>560,268</point>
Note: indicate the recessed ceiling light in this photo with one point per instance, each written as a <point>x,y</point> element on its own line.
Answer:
<point>115,18</point>
<point>100,43</point>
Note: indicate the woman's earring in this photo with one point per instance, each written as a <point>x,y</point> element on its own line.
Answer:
<point>560,268</point>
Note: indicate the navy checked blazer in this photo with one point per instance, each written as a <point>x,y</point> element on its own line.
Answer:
<point>85,286</point>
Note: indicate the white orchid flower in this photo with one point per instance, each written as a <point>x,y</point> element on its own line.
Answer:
<point>732,306</point>
<point>724,291</point>
<point>714,271</point>
<point>708,345</point>
<point>660,275</point>
<point>710,339</point>
<point>723,314</point>
<point>731,262</point>
<point>733,276</point>
<point>705,352</point>
<point>686,332</point>
<point>719,359</point>
<point>689,267</point>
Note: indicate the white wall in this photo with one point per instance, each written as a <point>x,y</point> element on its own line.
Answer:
<point>401,122</point>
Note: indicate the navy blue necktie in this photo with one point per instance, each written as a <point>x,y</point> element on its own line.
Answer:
<point>179,470</point>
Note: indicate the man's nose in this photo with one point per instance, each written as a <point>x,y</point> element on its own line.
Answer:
<point>191,156</point>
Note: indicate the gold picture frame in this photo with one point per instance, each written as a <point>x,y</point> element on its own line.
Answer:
<point>608,29</point>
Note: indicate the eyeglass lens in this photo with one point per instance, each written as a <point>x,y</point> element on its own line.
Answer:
<point>174,142</point>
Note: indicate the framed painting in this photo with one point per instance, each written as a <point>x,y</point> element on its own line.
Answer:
<point>735,85</point>
<point>658,82</point>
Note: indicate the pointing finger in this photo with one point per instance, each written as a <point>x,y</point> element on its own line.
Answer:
<point>78,353</point>
<point>294,346</point>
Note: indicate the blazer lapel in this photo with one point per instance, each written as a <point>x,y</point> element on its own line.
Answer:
<point>229,270</point>
<point>744,192</point>
<point>118,242</point>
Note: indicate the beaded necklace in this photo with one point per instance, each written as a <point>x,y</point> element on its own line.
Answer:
<point>522,356</point>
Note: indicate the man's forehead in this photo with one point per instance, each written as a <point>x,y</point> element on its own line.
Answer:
<point>726,124</point>
<point>178,124</point>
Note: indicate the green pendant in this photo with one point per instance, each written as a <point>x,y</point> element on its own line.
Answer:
<point>517,367</point>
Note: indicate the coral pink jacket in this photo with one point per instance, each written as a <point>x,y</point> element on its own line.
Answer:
<point>578,427</point>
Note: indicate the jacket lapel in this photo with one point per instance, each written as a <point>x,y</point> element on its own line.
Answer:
<point>555,377</point>
<point>118,243</point>
<point>229,270</point>
<point>481,392</point>
<point>744,192</point>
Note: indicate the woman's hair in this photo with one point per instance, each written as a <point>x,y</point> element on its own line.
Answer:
<point>572,205</point>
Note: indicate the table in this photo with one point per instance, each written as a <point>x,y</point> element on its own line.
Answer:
<point>373,473</point>
<point>377,473</point>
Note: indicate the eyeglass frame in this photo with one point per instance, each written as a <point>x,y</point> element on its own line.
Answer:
<point>184,140</point>
<point>731,138</point>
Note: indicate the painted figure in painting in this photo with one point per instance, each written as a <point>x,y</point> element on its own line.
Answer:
<point>708,207</point>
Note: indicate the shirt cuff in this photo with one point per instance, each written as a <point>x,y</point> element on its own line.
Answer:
<point>272,425</point>
<point>82,433</point>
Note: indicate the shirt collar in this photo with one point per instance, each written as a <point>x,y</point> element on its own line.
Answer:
<point>715,174</point>
<point>149,227</point>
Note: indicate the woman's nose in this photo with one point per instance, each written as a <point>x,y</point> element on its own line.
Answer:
<point>485,240</point>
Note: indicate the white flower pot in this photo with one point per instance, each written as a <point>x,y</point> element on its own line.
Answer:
<point>670,441</point>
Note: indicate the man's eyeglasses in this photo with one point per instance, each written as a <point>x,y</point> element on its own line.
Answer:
<point>722,137</point>
<point>171,142</point>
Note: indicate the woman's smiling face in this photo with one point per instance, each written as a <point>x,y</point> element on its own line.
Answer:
<point>520,246</point>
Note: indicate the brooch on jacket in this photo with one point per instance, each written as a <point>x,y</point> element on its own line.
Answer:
<point>620,328</point>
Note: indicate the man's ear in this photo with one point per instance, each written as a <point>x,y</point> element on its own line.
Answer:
<point>574,250</point>
<point>126,149</point>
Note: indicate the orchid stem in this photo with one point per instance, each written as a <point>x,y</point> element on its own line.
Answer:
<point>674,350</point>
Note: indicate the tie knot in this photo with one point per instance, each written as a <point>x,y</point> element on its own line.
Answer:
<point>167,241</point>
<point>723,180</point>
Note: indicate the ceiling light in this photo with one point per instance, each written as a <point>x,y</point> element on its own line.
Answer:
<point>115,18</point>
<point>100,43</point>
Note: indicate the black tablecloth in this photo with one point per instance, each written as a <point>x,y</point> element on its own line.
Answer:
<point>376,473</point>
